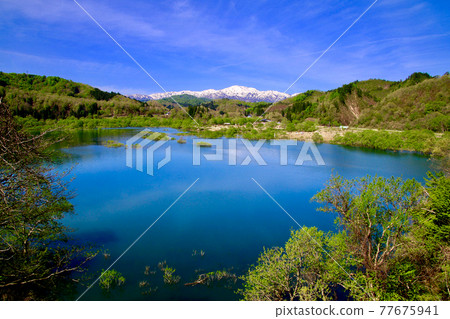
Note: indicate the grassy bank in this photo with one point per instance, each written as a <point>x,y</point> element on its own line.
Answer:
<point>423,141</point>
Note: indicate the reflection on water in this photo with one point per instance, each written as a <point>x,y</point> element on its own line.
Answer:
<point>225,215</point>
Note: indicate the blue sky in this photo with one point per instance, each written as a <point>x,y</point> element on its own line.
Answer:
<point>198,45</point>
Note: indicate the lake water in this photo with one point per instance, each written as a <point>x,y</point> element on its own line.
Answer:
<point>225,213</point>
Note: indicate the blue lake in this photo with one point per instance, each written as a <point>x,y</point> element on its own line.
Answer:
<point>225,213</point>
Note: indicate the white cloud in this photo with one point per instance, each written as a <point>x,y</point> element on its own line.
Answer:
<point>202,41</point>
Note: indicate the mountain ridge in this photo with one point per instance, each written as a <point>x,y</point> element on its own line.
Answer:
<point>419,102</point>
<point>235,92</point>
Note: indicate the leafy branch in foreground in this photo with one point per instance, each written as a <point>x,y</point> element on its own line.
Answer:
<point>36,257</point>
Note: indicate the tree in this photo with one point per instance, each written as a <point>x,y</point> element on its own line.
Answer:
<point>423,261</point>
<point>374,214</point>
<point>36,256</point>
<point>392,243</point>
<point>438,206</point>
<point>295,272</point>
<point>92,108</point>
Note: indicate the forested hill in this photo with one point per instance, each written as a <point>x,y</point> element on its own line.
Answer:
<point>50,97</point>
<point>184,100</point>
<point>419,102</point>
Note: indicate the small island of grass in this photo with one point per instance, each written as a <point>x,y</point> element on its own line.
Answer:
<point>157,136</point>
<point>203,144</point>
<point>115,144</point>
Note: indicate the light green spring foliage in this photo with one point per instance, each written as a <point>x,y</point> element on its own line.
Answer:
<point>157,136</point>
<point>111,279</point>
<point>169,277</point>
<point>317,138</point>
<point>203,144</point>
<point>419,102</point>
<point>114,144</point>
<point>307,126</point>
<point>439,206</point>
<point>420,141</point>
<point>415,140</point>
<point>374,213</point>
<point>392,244</point>
<point>295,272</point>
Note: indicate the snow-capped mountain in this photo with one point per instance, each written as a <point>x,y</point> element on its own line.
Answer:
<point>236,92</point>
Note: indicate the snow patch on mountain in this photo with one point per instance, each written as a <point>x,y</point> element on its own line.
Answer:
<point>235,92</point>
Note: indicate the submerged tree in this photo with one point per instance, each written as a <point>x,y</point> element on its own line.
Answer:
<point>111,279</point>
<point>35,254</point>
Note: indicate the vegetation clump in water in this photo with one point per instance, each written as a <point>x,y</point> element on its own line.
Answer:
<point>111,279</point>
<point>200,253</point>
<point>169,277</point>
<point>148,271</point>
<point>203,144</point>
<point>157,136</point>
<point>213,276</point>
<point>113,144</point>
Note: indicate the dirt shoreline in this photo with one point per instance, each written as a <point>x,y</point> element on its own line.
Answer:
<point>327,133</point>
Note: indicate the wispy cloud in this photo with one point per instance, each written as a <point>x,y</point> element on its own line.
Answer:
<point>202,44</point>
<point>86,71</point>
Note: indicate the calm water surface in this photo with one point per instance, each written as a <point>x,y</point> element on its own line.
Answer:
<point>225,213</point>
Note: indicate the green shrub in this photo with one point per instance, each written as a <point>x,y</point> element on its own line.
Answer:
<point>414,140</point>
<point>307,126</point>
<point>438,122</point>
<point>435,106</point>
<point>113,144</point>
<point>168,276</point>
<point>203,144</point>
<point>317,138</point>
<point>290,127</point>
<point>111,279</point>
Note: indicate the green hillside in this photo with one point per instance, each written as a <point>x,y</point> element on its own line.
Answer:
<point>422,105</point>
<point>419,102</point>
<point>220,108</point>
<point>183,100</point>
<point>49,97</point>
